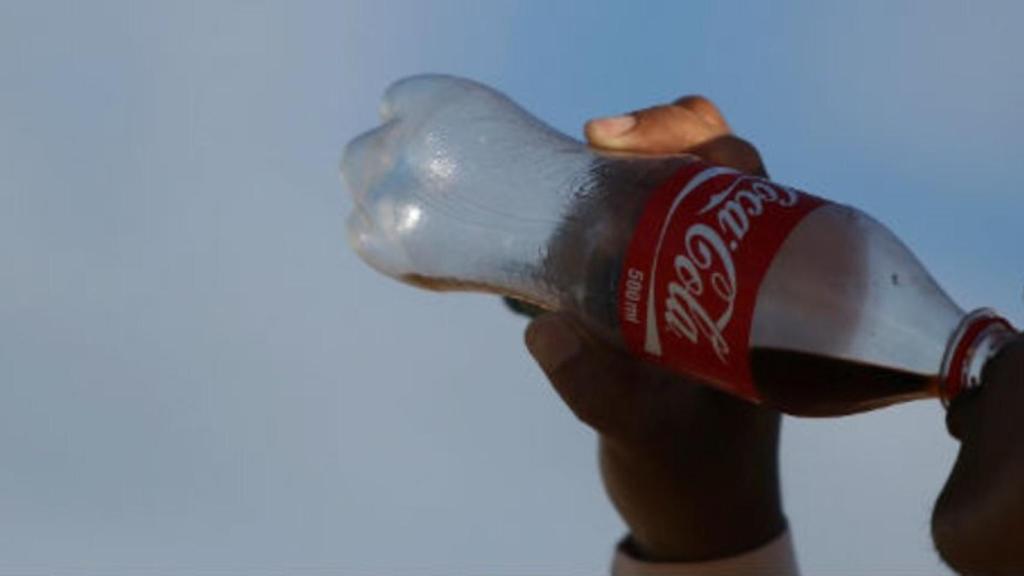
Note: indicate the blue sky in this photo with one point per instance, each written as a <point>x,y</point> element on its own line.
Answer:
<point>199,376</point>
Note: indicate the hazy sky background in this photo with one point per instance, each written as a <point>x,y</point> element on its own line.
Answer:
<point>198,376</point>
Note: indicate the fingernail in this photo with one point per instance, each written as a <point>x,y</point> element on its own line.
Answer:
<point>613,126</point>
<point>552,342</point>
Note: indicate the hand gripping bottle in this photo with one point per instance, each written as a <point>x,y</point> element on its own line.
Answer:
<point>756,288</point>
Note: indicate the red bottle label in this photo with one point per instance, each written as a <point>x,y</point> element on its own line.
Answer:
<point>697,258</point>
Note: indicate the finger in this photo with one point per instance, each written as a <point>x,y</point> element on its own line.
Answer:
<point>603,388</point>
<point>706,109</point>
<point>733,152</point>
<point>659,130</point>
<point>676,127</point>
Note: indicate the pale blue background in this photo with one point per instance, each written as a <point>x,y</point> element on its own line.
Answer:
<point>197,376</point>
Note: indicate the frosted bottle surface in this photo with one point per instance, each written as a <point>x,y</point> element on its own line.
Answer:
<point>750,286</point>
<point>460,188</point>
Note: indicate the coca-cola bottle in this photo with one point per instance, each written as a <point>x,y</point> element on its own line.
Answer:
<point>756,288</point>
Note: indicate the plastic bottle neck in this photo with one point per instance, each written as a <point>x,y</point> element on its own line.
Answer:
<point>978,338</point>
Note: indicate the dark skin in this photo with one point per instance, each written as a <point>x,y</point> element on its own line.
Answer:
<point>978,520</point>
<point>692,471</point>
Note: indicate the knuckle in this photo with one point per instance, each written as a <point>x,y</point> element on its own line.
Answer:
<point>749,158</point>
<point>580,397</point>
<point>704,108</point>
<point>695,101</point>
<point>588,395</point>
<point>587,410</point>
<point>746,150</point>
<point>735,152</point>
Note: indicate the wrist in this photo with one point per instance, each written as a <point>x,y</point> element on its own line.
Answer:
<point>776,557</point>
<point>685,506</point>
<point>716,544</point>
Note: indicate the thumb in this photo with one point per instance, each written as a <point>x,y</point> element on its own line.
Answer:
<point>670,128</point>
<point>675,128</point>
<point>600,384</point>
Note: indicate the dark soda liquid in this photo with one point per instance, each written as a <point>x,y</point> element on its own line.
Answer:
<point>805,384</point>
<point>591,245</point>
